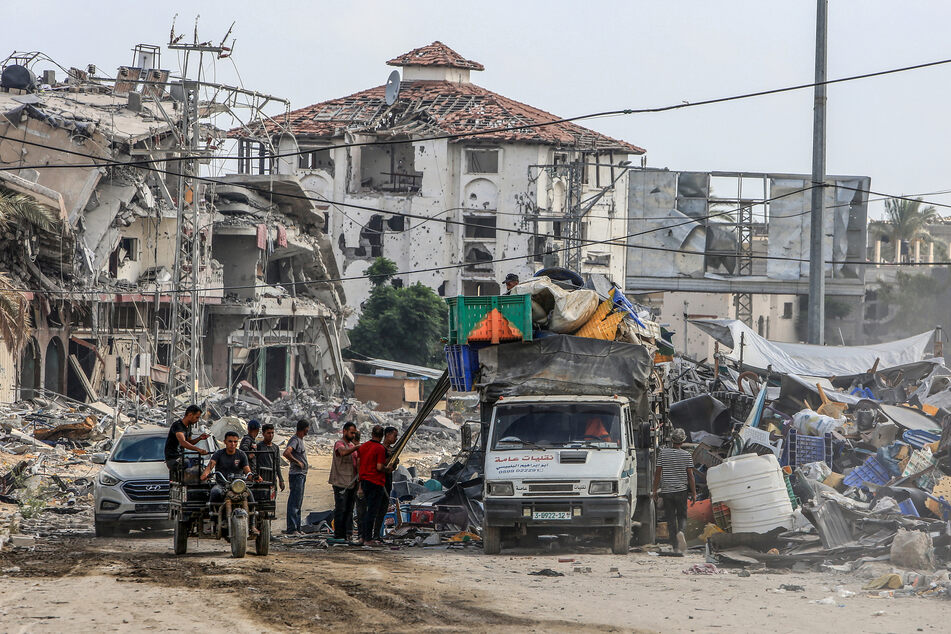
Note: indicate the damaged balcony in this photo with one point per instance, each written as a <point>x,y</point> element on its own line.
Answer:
<point>389,168</point>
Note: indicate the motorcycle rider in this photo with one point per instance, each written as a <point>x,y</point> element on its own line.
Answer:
<point>229,462</point>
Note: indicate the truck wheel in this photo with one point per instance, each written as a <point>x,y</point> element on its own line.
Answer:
<point>491,540</point>
<point>180,538</point>
<point>647,516</point>
<point>621,544</point>
<point>262,543</point>
<point>238,532</point>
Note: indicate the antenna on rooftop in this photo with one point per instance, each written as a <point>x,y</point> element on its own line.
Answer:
<point>392,87</point>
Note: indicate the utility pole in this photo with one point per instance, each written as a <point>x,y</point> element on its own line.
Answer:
<point>817,281</point>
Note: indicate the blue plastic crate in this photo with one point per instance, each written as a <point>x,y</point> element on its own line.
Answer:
<point>801,449</point>
<point>908,508</point>
<point>870,471</point>
<point>918,438</point>
<point>463,361</point>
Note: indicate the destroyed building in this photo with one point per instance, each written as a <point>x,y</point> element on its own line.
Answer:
<point>471,186</point>
<point>716,244</point>
<point>97,281</point>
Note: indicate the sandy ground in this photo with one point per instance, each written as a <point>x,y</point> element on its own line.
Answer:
<point>86,584</point>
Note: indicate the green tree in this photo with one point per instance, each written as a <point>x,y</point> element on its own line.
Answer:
<point>400,324</point>
<point>908,219</point>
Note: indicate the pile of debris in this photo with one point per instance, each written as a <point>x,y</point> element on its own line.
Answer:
<point>835,470</point>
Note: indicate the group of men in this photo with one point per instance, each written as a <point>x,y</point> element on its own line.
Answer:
<point>362,480</point>
<point>360,475</point>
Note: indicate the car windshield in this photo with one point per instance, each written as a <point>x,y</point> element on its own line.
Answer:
<point>547,425</point>
<point>140,449</point>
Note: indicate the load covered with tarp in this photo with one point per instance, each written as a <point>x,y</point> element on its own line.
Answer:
<point>567,365</point>
<point>810,360</point>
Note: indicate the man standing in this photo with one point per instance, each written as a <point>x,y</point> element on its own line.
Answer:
<point>675,474</point>
<point>179,438</point>
<point>511,281</point>
<point>372,481</point>
<point>269,456</point>
<point>389,439</point>
<point>343,479</point>
<point>296,454</point>
<point>250,438</point>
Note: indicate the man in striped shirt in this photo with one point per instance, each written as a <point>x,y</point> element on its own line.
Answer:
<point>675,475</point>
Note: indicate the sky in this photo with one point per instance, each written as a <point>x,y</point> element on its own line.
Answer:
<point>574,58</point>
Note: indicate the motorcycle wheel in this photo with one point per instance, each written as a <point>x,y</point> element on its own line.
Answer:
<point>262,543</point>
<point>238,532</point>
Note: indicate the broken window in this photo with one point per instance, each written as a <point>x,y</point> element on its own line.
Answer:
<point>396,223</point>
<point>389,168</point>
<point>441,291</point>
<point>129,249</point>
<point>316,160</point>
<point>482,161</point>
<point>787,310</point>
<point>371,237</point>
<point>254,157</point>
<point>473,287</point>
<point>597,259</point>
<point>538,247</point>
<point>479,258</point>
<point>479,226</point>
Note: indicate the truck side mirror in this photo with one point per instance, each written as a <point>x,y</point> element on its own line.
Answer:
<point>470,434</point>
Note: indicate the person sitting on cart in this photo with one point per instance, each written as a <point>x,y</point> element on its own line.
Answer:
<point>179,438</point>
<point>230,462</point>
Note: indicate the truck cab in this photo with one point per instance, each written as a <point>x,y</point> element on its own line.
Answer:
<point>568,464</point>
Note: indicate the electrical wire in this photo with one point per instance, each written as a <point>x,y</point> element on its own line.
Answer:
<point>596,115</point>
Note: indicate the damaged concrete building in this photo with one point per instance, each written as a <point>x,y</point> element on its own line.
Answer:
<point>97,281</point>
<point>433,172</point>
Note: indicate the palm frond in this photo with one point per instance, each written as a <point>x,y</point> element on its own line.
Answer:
<point>14,315</point>
<point>17,208</point>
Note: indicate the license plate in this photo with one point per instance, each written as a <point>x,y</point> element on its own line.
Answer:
<point>151,508</point>
<point>551,515</point>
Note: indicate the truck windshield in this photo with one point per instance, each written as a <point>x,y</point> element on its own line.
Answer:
<point>557,425</point>
<point>140,449</point>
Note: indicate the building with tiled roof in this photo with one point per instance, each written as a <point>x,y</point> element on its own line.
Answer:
<point>482,177</point>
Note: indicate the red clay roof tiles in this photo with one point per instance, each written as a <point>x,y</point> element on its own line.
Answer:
<point>436,108</point>
<point>435,54</point>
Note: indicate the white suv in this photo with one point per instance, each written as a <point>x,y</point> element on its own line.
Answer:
<point>131,491</point>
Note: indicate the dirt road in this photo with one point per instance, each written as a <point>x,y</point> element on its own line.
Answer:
<point>136,584</point>
<point>84,584</point>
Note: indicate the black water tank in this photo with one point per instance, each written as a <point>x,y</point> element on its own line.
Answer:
<point>16,76</point>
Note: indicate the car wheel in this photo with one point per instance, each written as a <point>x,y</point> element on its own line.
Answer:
<point>103,529</point>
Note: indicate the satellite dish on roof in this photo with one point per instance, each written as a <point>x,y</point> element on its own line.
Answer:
<point>392,87</point>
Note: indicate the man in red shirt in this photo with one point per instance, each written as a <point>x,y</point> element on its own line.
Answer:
<point>372,481</point>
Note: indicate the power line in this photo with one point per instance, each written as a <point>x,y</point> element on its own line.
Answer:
<point>540,124</point>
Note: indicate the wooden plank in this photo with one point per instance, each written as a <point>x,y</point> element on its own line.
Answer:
<point>91,395</point>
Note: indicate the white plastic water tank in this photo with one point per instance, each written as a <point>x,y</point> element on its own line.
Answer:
<point>755,490</point>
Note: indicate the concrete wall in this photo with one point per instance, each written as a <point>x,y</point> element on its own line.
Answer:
<point>156,247</point>
<point>239,259</point>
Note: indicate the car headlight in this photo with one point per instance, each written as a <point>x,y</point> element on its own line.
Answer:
<point>107,480</point>
<point>601,487</point>
<point>501,488</point>
<point>239,486</point>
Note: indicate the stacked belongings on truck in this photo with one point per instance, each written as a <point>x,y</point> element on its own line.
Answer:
<point>554,302</point>
<point>864,456</point>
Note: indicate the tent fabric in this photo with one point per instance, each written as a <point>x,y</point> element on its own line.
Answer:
<point>799,358</point>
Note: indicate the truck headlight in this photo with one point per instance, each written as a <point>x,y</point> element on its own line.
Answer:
<point>107,480</point>
<point>501,488</point>
<point>601,487</point>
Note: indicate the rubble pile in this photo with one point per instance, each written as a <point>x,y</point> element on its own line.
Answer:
<point>844,473</point>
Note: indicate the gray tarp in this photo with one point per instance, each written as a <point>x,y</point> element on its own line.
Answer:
<point>567,365</point>
<point>800,358</point>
